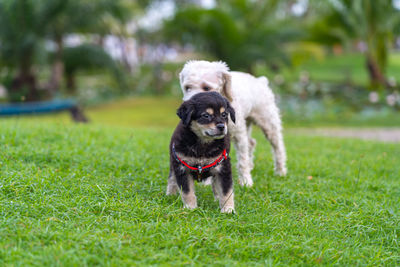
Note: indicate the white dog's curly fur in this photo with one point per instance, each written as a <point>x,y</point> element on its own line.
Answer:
<point>254,103</point>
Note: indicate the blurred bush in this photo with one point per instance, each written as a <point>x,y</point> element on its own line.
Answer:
<point>372,24</point>
<point>90,57</point>
<point>275,38</point>
<point>157,79</point>
<point>31,30</point>
<point>241,33</point>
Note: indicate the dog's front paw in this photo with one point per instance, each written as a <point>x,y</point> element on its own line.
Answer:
<point>246,181</point>
<point>172,189</point>
<point>189,201</point>
<point>228,209</point>
<point>281,171</point>
<point>190,206</point>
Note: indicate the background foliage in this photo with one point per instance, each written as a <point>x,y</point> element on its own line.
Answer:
<point>303,47</point>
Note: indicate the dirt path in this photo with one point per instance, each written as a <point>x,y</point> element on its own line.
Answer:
<point>390,135</point>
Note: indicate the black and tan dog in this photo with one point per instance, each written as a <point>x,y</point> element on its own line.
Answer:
<point>199,149</point>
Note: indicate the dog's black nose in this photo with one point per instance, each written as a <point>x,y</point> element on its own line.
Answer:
<point>220,126</point>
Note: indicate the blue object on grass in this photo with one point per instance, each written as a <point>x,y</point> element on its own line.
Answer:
<point>37,107</point>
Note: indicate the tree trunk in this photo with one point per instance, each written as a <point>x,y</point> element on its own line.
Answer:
<point>71,84</point>
<point>376,76</point>
<point>124,55</point>
<point>23,86</point>
<point>57,69</point>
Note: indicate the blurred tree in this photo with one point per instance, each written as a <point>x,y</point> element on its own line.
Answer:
<point>88,57</point>
<point>26,26</point>
<point>372,22</point>
<point>83,16</point>
<point>239,32</point>
<point>22,26</point>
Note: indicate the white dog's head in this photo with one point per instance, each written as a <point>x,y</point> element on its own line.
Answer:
<point>202,76</point>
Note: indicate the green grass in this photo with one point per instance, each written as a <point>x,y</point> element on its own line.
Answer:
<point>349,67</point>
<point>157,112</point>
<point>386,118</point>
<point>160,112</point>
<point>339,69</point>
<point>95,195</point>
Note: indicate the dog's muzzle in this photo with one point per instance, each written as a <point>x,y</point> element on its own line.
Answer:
<point>218,132</point>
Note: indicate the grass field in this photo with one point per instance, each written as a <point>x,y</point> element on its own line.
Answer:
<point>342,69</point>
<point>160,112</point>
<point>77,195</point>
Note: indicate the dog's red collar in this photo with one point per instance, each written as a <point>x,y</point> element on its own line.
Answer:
<point>199,168</point>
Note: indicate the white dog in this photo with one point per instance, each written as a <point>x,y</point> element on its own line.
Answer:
<point>253,102</point>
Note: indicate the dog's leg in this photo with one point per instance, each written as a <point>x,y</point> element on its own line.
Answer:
<point>226,202</point>
<point>172,187</point>
<point>271,125</point>
<point>241,142</point>
<point>214,189</point>
<point>186,185</point>
<point>252,144</point>
<point>188,197</point>
<point>223,190</point>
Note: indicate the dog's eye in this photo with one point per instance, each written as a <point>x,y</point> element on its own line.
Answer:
<point>206,88</point>
<point>206,115</point>
<point>187,88</point>
<point>224,115</point>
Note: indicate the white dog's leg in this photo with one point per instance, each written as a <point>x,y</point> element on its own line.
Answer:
<point>241,143</point>
<point>270,124</point>
<point>252,144</point>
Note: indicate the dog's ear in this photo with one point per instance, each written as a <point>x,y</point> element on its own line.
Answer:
<point>185,112</point>
<point>231,111</point>
<point>227,87</point>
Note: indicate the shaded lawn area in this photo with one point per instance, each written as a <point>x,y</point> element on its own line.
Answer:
<point>342,69</point>
<point>160,112</point>
<point>90,194</point>
<point>132,112</point>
